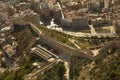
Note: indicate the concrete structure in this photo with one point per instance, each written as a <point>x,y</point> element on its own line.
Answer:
<point>41,53</point>
<point>44,53</point>
<point>65,49</point>
<point>60,47</point>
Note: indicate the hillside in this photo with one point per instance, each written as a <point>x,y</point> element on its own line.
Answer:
<point>105,67</point>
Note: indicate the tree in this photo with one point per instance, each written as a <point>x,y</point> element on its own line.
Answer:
<point>11,76</point>
<point>61,70</point>
<point>55,73</point>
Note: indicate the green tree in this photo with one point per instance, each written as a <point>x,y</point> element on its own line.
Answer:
<point>11,76</point>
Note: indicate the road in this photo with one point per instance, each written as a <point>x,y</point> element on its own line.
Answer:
<point>73,41</point>
<point>81,34</point>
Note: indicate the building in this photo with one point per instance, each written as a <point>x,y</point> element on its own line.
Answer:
<point>23,6</point>
<point>101,4</point>
<point>106,4</point>
<point>45,10</point>
<point>36,1</point>
<point>94,6</point>
<point>9,49</point>
<point>52,1</point>
<point>3,17</point>
<point>57,15</point>
<point>75,24</point>
<point>116,23</point>
<point>78,24</point>
<point>101,22</point>
<point>66,23</point>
